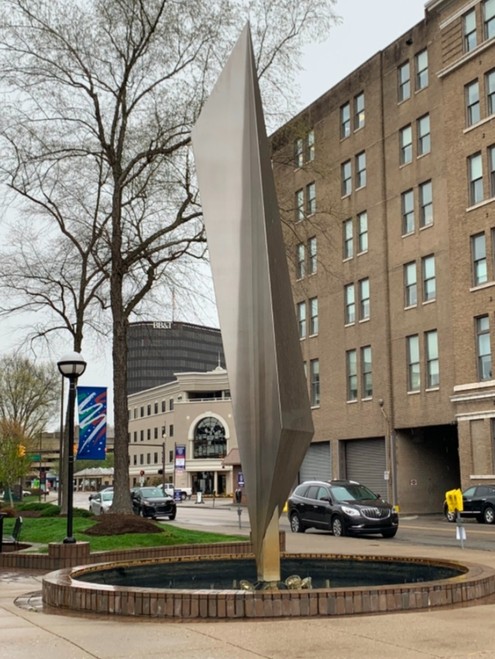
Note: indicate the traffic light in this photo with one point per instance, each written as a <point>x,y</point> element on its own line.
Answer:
<point>21,451</point>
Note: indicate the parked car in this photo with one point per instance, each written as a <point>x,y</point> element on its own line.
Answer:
<point>478,502</point>
<point>105,489</point>
<point>181,493</point>
<point>151,502</point>
<point>344,507</point>
<point>101,502</point>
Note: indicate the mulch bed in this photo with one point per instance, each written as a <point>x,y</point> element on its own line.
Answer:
<point>116,524</point>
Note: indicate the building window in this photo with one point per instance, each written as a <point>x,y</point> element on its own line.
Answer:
<point>429,278</point>
<point>348,239</point>
<point>155,433</point>
<point>475,169</point>
<point>171,404</point>
<point>299,152</point>
<point>171,430</point>
<point>155,407</point>
<point>141,458</point>
<point>489,18</point>
<point>359,114</point>
<point>413,369</point>
<point>345,120</point>
<point>491,165</point>
<point>301,319</point>
<point>410,284</point>
<point>366,374</point>
<point>346,175</point>
<point>472,92</point>
<point>404,80</point>
<point>407,203</point>
<point>164,406</point>
<point>311,198</point>
<point>364,299</point>
<point>490,91</point>
<point>483,348</point>
<point>314,385</point>
<point>361,170</point>
<point>299,206</point>
<point>469,30</point>
<point>480,266</point>
<point>135,413</point>
<point>148,433</point>
<point>300,261</point>
<point>155,457</point>
<point>135,436</point>
<point>141,435</point>
<point>422,70</point>
<point>351,367</point>
<point>425,204</point>
<point>350,304</point>
<point>432,363</point>
<point>209,439</point>
<point>134,461</point>
<point>313,316</point>
<point>424,139</point>
<point>362,232</point>
<point>148,410</point>
<point>310,146</point>
<point>142,411</point>
<point>405,141</point>
<point>312,255</point>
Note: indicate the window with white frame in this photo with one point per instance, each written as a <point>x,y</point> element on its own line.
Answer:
<point>489,18</point>
<point>404,81</point>
<point>366,373</point>
<point>479,260</point>
<point>299,152</point>
<point>410,284</point>
<point>491,168</point>
<point>364,299</point>
<point>473,107</point>
<point>424,138</point>
<point>425,204</point>
<point>413,365</point>
<point>346,177</point>
<point>359,114</point>
<point>314,385</point>
<point>301,319</point>
<point>362,225</point>
<point>312,256</point>
<point>299,210</point>
<point>490,91</point>
<point>311,198</point>
<point>469,30</point>
<point>350,303</point>
<point>475,172</point>
<point>348,233</point>
<point>483,348</point>
<point>407,210</point>
<point>361,170</point>
<point>352,378</point>
<point>310,146</point>
<point>405,144</point>
<point>300,260</point>
<point>304,149</point>
<point>345,120</point>
<point>313,316</point>
<point>421,61</point>
<point>432,361</point>
<point>429,278</point>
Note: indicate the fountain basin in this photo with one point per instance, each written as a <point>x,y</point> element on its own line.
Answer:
<point>417,584</point>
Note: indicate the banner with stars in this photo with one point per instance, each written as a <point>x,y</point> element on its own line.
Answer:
<point>92,408</point>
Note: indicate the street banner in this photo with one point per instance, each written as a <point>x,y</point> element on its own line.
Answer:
<point>180,457</point>
<point>92,408</point>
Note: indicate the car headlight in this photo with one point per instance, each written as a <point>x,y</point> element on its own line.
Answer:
<point>146,503</point>
<point>352,512</point>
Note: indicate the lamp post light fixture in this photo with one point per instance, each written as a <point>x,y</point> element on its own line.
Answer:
<point>71,366</point>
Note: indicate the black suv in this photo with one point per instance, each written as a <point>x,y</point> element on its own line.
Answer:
<point>151,502</point>
<point>341,506</point>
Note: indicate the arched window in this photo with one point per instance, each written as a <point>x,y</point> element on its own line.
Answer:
<point>209,439</point>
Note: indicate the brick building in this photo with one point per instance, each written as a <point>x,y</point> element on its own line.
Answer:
<point>387,185</point>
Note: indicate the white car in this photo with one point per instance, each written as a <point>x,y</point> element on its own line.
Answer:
<point>101,502</point>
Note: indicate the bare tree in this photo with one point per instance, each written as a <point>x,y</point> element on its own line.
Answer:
<point>99,99</point>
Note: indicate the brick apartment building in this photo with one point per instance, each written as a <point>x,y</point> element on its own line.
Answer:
<point>387,190</point>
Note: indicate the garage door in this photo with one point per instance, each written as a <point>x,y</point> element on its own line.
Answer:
<point>365,462</point>
<point>317,463</point>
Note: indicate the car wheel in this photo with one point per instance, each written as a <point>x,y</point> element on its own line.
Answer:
<point>449,515</point>
<point>489,515</point>
<point>389,534</point>
<point>296,525</point>
<point>338,528</point>
<point>182,496</point>
<point>172,516</point>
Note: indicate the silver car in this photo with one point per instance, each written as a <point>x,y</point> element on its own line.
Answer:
<point>101,502</point>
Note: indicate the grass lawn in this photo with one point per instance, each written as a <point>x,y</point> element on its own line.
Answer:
<point>42,530</point>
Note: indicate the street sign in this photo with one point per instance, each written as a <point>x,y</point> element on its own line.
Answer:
<point>36,457</point>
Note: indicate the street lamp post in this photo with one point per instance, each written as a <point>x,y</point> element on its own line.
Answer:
<point>71,366</point>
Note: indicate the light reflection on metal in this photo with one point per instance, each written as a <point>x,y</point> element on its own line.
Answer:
<point>254,299</point>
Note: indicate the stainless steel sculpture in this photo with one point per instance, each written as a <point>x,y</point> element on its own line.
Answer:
<point>256,310</point>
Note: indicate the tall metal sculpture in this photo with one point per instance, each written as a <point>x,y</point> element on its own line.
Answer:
<point>268,386</point>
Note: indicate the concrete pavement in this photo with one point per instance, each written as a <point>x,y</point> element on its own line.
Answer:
<point>455,633</point>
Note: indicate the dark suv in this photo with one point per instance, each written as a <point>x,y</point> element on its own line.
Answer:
<point>341,506</point>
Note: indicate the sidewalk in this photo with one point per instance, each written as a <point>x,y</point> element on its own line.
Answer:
<point>456,633</point>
